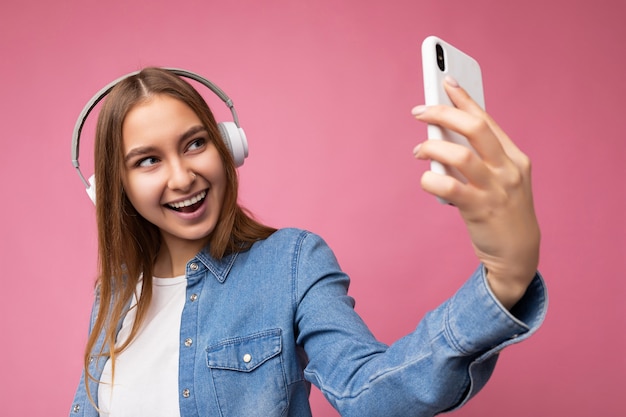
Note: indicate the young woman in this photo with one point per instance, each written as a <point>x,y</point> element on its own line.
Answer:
<point>202,311</point>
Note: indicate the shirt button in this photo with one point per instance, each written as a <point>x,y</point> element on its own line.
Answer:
<point>193,266</point>
<point>193,297</point>
<point>76,408</point>
<point>186,393</point>
<point>247,358</point>
<point>188,342</point>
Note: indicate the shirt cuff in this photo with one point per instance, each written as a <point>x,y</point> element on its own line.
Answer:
<point>476,321</point>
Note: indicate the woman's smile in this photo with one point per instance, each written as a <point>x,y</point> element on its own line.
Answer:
<point>189,205</point>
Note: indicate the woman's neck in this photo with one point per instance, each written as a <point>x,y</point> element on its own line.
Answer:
<point>171,261</point>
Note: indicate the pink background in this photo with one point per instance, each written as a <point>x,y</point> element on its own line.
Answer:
<point>324,90</point>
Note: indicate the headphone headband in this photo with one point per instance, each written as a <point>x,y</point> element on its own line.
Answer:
<point>235,137</point>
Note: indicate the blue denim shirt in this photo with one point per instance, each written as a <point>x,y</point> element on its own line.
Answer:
<point>259,326</point>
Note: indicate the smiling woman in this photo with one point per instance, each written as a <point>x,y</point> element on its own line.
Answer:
<point>157,147</point>
<point>201,310</point>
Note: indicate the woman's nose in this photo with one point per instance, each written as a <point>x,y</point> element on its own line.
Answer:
<point>181,178</point>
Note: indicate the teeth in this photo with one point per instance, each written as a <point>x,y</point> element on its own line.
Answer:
<point>187,203</point>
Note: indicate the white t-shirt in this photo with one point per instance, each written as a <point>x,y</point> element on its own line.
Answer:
<point>146,373</point>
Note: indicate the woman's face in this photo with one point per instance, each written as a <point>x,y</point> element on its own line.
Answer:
<point>174,176</point>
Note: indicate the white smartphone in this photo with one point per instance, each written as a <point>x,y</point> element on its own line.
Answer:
<point>440,59</point>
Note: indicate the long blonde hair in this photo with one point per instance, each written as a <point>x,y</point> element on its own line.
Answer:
<point>128,243</point>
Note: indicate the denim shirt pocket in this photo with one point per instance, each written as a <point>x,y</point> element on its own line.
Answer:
<point>248,374</point>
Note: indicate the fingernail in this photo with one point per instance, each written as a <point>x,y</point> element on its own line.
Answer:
<point>417,110</point>
<point>451,81</point>
<point>417,149</point>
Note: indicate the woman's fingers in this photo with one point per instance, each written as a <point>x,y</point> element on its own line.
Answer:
<point>474,128</point>
<point>461,158</point>
<point>448,188</point>
<point>463,101</point>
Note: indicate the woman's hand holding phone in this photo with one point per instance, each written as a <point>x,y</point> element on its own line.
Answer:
<point>496,202</point>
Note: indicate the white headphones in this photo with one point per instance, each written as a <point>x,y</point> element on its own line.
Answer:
<point>232,134</point>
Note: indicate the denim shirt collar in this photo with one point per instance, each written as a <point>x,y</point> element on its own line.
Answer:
<point>219,268</point>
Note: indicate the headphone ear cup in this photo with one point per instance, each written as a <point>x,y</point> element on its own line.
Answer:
<point>91,191</point>
<point>235,139</point>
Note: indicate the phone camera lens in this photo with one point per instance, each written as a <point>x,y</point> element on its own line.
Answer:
<point>441,62</point>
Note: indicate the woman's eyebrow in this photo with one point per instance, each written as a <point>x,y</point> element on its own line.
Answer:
<point>141,150</point>
<point>191,131</point>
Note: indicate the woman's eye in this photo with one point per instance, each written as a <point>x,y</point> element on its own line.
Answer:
<point>196,144</point>
<point>147,162</point>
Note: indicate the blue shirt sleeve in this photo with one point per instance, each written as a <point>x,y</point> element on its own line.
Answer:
<point>438,367</point>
